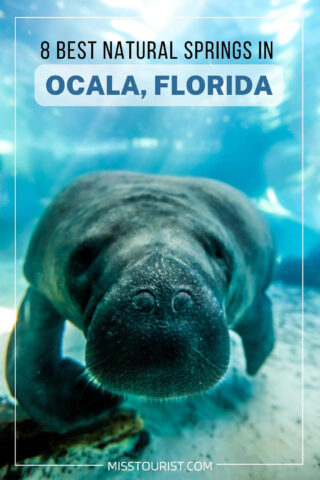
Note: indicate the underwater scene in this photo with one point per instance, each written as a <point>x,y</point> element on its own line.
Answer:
<point>209,364</point>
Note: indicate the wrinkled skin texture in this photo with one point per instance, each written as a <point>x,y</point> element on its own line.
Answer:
<point>154,270</point>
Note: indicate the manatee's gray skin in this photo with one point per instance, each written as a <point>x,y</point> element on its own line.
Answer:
<point>154,270</point>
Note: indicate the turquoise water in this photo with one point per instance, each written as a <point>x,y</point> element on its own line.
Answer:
<point>258,150</point>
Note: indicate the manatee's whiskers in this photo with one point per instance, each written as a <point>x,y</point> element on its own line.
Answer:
<point>205,358</point>
<point>88,378</point>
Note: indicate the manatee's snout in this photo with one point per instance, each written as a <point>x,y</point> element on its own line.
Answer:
<point>159,332</point>
<point>145,301</point>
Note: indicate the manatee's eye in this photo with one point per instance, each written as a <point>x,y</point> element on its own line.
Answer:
<point>182,301</point>
<point>144,301</point>
<point>80,266</point>
<point>84,255</point>
<point>219,253</point>
<point>221,256</point>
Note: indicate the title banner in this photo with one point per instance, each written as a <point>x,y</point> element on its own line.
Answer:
<point>152,85</point>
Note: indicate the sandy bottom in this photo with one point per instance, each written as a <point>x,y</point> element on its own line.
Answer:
<point>242,421</point>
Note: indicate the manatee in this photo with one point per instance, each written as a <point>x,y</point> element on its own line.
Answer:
<point>154,270</point>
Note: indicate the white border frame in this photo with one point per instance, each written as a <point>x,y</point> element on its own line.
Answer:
<point>302,229</point>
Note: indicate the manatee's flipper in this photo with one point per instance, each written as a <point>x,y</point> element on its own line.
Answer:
<point>52,390</point>
<point>257,333</point>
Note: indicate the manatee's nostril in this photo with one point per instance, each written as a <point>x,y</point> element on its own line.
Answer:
<point>144,300</point>
<point>182,301</point>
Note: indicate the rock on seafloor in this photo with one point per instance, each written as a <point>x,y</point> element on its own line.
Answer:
<point>120,435</point>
